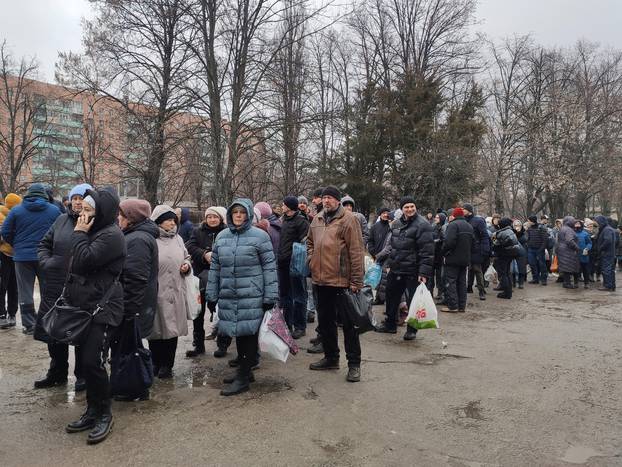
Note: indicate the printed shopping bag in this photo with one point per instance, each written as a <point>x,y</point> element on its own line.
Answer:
<point>193,296</point>
<point>270,343</point>
<point>422,313</point>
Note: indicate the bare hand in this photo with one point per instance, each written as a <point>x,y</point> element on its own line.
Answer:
<point>184,268</point>
<point>84,224</point>
<point>208,257</point>
<point>422,280</point>
<point>354,288</point>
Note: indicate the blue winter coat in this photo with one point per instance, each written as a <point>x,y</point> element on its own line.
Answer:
<point>606,243</point>
<point>185,225</point>
<point>585,241</point>
<point>242,277</point>
<point>26,225</point>
<point>481,246</point>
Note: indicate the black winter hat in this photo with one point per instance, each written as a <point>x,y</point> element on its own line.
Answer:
<point>381,210</point>
<point>533,219</point>
<point>468,207</point>
<point>166,216</point>
<point>318,193</point>
<point>505,222</point>
<point>332,191</point>
<point>406,200</point>
<point>291,202</point>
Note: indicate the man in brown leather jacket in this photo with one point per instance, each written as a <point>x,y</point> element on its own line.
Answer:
<point>335,251</point>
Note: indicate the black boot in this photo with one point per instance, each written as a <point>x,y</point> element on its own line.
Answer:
<point>85,422</point>
<point>50,381</point>
<point>198,350</point>
<point>240,384</point>
<point>231,379</point>
<point>325,364</point>
<point>102,428</point>
<point>411,334</point>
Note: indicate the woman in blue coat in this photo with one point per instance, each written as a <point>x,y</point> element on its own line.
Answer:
<point>585,246</point>
<point>243,281</point>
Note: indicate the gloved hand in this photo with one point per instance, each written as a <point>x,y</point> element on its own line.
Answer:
<point>267,306</point>
<point>211,306</point>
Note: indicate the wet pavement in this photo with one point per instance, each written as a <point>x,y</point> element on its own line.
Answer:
<point>531,381</point>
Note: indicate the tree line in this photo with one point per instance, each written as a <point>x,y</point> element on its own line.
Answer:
<point>380,97</point>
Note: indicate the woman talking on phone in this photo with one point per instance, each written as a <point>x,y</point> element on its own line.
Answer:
<point>97,257</point>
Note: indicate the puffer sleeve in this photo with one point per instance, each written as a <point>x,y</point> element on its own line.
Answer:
<point>268,267</point>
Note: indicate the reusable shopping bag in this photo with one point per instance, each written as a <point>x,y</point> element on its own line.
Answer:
<point>422,313</point>
<point>278,326</point>
<point>131,369</point>
<point>269,342</point>
<point>193,296</point>
<point>358,308</point>
<point>373,275</point>
<point>298,265</point>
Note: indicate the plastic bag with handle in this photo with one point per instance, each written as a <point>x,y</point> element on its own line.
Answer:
<point>269,342</point>
<point>193,296</point>
<point>491,275</point>
<point>373,276</point>
<point>422,313</point>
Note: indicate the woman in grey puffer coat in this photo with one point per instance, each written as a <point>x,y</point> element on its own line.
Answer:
<point>567,250</point>
<point>243,281</point>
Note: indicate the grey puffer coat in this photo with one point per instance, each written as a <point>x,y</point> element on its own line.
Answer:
<point>242,277</point>
<point>568,247</point>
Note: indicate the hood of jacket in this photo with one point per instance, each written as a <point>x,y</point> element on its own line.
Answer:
<point>348,199</point>
<point>569,221</point>
<point>147,226</point>
<point>602,222</point>
<point>35,203</point>
<point>106,209</point>
<point>247,204</point>
<point>159,210</point>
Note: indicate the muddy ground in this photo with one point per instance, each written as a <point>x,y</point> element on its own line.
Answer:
<point>531,381</point>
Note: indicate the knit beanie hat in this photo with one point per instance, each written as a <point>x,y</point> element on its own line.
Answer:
<point>505,222</point>
<point>533,219</point>
<point>406,200</point>
<point>303,200</point>
<point>458,212</point>
<point>12,200</point>
<point>332,191</point>
<point>318,193</point>
<point>468,207</point>
<point>80,190</point>
<point>135,210</point>
<point>381,210</point>
<point>291,202</point>
<point>217,211</point>
<point>264,209</point>
<point>90,201</point>
<point>37,190</point>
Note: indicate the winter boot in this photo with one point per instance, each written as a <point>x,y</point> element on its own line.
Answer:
<point>325,364</point>
<point>231,379</point>
<point>85,422</point>
<point>198,350</point>
<point>240,384</point>
<point>103,425</point>
<point>411,334</point>
<point>50,381</point>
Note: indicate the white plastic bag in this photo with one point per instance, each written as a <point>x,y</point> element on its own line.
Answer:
<point>491,275</point>
<point>270,343</point>
<point>422,313</point>
<point>193,296</point>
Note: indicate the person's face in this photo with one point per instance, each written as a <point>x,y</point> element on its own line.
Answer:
<point>429,216</point>
<point>302,207</point>
<point>577,226</point>
<point>76,204</point>
<point>409,209</point>
<point>517,226</point>
<point>347,207</point>
<point>123,222</point>
<point>88,210</point>
<point>544,221</point>
<point>286,210</point>
<point>278,210</point>
<point>317,200</point>
<point>495,221</point>
<point>558,224</point>
<point>212,220</point>
<point>437,219</point>
<point>329,203</point>
<point>384,216</point>
<point>239,215</point>
<point>168,224</point>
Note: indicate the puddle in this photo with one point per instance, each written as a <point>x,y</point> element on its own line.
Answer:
<point>580,454</point>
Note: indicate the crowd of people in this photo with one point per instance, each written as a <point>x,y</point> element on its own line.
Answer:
<point>130,262</point>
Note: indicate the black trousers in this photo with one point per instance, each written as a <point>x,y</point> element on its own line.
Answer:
<point>476,272</point>
<point>585,271</point>
<point>396,286</point>
<point>8,286</point>
<point>198,329</point>
<point>503,265</point>
<point>247,347</point>
<point>59,361</point>
<point>163,352</point>
<point>328,310</point>
<point>456,287</point>
<point>437,280</point>
<point>93,354</point>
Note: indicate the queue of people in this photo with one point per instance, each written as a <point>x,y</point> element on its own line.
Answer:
<point>130,263</point>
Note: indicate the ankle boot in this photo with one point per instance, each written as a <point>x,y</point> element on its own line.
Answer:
<point>240,384</point>
<point>85,422</point>
<point>102,428</point>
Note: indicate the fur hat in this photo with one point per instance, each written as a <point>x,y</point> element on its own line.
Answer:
<point>135,210</point>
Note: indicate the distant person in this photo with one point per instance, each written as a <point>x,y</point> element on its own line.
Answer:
<point>8,282</point>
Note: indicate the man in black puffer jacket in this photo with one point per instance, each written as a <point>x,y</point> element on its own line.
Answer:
<point>457,247</point>
<point>411,261</point>
<point>537,237</point>
<point>480,253</point>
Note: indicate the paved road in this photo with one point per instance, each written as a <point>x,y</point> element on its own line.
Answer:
<point>531,381</point>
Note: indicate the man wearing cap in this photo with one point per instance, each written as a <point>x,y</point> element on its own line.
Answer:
<point>480,253</point>
<point>537,237</point>
<point>292,292</point>
<point>456,250</point>
<point>411,261</point>
<point>335,250</point>
<point>23,229</point>
<point>348,203</point>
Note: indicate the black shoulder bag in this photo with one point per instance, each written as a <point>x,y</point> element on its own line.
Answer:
<point>70,324</point>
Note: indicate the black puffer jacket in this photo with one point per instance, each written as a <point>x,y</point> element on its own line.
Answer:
<point>54,255</point>
<point>140,274</point>
<point>377,235</point>
<point>412,247</point>
<point>537,237</point>
<point>98,259</point>
<point>505,244</point>
<point>293,229</point>
<point>481,245</point>
<point>201,241</point>
<point>458,243</point>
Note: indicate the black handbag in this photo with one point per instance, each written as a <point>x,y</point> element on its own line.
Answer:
<point>358,308</point>
<point>70,324</point>
<point>131,370</point>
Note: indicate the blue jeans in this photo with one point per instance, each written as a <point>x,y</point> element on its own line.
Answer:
<point>293,298</point>
<point>537,263</point>
<point>26,272</point>
<point>607,269</point>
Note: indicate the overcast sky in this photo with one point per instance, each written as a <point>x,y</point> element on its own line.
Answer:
<point>43,27</point>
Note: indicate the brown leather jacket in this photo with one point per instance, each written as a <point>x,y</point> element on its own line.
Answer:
<point>335,250</point>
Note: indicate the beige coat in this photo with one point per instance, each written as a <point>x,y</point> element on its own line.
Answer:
<point>171,318</point>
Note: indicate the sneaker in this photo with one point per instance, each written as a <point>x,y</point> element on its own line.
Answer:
<point>7,323</point>
<point>325,364</point>
<point>28,331</point>
<point>298,333</point>
<point>446,309</point>
<point>354,374</point>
